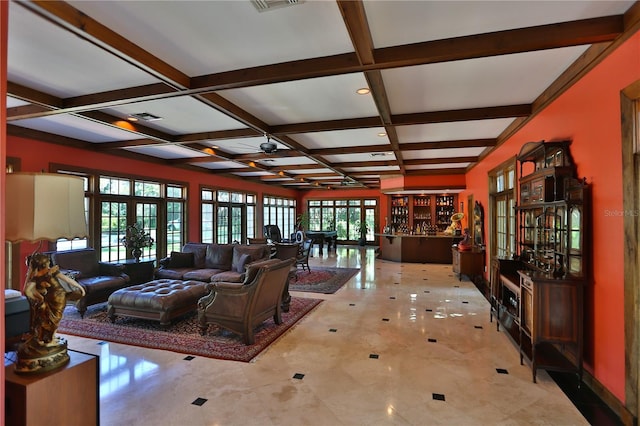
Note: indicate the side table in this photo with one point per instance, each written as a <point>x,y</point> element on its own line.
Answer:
<point>65,396</point>
<point>139,272</point>
<point>468,262</point>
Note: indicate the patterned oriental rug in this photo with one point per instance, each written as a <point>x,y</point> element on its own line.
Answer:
<point>183,335</point>
<point>322,280</point>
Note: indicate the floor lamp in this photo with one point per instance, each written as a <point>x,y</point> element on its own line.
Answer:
<point>44,206</point>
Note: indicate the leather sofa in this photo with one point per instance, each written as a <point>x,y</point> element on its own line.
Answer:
<point>211,262</point>
<point>99,279</point>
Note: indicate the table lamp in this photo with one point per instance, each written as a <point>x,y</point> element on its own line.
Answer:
<point>44,206</point>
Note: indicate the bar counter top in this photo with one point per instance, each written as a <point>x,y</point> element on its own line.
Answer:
<point>417,248</point>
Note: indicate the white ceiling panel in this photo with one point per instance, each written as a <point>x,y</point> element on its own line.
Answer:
<point>371,169</point>
<point>286,161</point>
<point>166,151</point>
<point>224,35</point>
<point>442,153</point>
<point>180,115</point>
<point>476,83</point>
<point>38,57</point>
<point>477,129</point>
<point>435,20</point>
<point>309,171</point>
<point>76,127</point>
<point>242,145</point>
<point>220,165</point>
<point>358,157</point>
<point>439,166</point>
<point>343,138</point>
<point>315,99</point>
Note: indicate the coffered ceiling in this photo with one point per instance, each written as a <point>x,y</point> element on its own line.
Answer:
<point>448,80</point>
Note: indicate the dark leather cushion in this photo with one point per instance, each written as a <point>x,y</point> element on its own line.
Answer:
<point>219,256</point>
<point>242,261</point>
<point>181,260</point>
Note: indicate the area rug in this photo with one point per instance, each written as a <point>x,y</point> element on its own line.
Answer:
<point>322,280</point>
<point>183,335</point>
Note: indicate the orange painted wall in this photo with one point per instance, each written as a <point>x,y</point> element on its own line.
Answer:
<point>4,15</point>
<point>589,114</point>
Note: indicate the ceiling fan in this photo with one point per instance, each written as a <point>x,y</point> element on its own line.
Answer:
<point>268,147</point>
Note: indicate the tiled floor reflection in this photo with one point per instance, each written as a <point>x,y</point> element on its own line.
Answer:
<point>402,344</point>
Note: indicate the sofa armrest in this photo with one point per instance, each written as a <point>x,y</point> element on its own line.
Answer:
<point>164,262</point>
<point>71,273</point>
<point>111,269</point>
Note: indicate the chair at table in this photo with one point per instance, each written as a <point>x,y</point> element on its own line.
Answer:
<point>241,307</point>
<point>257,240</point>
<point>303,256</point>
<point>272,233</point>
<point>284,252</point>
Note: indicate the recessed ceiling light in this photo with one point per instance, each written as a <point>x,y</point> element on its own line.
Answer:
<point>363,91</point>
<point>382,134</point>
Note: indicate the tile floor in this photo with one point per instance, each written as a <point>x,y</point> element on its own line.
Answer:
<point>401,344</point>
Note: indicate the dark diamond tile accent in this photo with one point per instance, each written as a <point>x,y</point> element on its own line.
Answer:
<point>102,343</point>
<point>430,340</point>
<point>298,376</point>
<point>385,319</point>
<point>429,310</point>
<point>189,357</point>
<point>464,301</point>
<point>392,297</point>
<point>352,304</point>
<point>425,279</point>
<point>502,371</point>
<point>438,396</point>
<point>396,283</point>
<point>374,356</point>
<point>477,326</point>
<point>455,286</point>
<point>199,402</point>
<point>333,330</point>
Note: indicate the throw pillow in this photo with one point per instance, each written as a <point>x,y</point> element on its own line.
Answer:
<point>242,262</point>
<point>181,260</point>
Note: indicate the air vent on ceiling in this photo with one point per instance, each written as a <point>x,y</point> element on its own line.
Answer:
<point>380,154</point>
<point>263,5</point>
<point>146,116</point>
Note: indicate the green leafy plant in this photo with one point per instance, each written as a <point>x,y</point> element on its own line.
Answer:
<point>136,237</point>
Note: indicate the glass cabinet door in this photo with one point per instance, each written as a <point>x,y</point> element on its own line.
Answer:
<point>574,263</point>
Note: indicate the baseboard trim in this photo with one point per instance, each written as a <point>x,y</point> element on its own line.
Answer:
<point>626,417</point>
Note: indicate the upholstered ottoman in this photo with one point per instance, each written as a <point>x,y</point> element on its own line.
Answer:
<point>161,300</point>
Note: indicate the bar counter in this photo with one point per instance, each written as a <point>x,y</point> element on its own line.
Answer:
<point>417,248</point>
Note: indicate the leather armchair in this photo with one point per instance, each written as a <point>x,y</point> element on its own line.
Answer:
<point>240,307</point>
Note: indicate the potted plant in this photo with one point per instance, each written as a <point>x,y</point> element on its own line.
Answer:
<point>362,229</point>
<point>136,239</point>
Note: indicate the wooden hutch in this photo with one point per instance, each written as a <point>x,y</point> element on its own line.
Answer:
<point>538,296</point>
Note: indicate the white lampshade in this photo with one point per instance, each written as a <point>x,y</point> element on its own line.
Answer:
<point>44,206</point>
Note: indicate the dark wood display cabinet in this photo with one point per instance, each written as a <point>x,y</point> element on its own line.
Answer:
<point>538,297</point>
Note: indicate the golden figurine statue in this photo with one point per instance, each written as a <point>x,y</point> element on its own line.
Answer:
<point>48,291</point>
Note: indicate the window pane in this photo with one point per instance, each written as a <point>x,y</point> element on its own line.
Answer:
<point>251,221</point>
<point>146,189</point>
<point>223,196</point>
<point>175,226</point>
<point>222,231</point>
<point>341,223</point>
<point>113,225</point>
<point>114,186</point>
<point>236,224</point>
<point>207,223</point>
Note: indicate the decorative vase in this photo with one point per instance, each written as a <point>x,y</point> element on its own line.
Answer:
<point>136,252</point>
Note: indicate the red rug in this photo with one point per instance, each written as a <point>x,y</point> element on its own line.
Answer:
<point>322,280</point>
<point>183,335</point>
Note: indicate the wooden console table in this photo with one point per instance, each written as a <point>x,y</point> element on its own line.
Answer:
<point>468,262</point>
<point>66,396</point>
